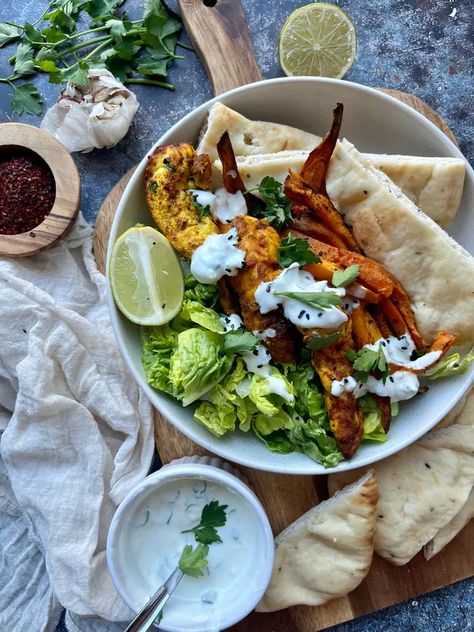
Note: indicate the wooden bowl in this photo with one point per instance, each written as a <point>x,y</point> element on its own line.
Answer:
<point>18,136</point>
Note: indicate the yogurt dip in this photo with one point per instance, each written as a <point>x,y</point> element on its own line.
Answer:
<point>148,542</point>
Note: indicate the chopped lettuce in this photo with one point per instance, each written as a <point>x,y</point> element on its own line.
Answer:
<point>309,400</point>
<point>193,312</point>
<point>311,438</point>
<point>373,430</point>
<point>207,295</point>
<point>267,424</point>
<point>158,346</point>
<point>262,396</point>
<point>197,364</point>
<point>452,365</point>
<point>277,441</point>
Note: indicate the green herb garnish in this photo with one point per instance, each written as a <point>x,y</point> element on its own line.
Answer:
<point>321,342</point>
<point>295,250</point>
<point>135,51</point>
<point>193,561</point>
<point>366,361</point>
<point>277,209</point>
<point>319,300</point>
<point>452,365</point>
<point>213,515</point>
<point>239,342</point>
<point>203,211</point>
<point>341,278</point>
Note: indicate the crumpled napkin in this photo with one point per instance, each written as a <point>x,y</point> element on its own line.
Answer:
<point>76,436</point>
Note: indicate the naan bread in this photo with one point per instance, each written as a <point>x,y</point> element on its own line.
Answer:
<point>435,271</point>
<point>421,489</point>
<point>434,184</point>
<point>327,552</point>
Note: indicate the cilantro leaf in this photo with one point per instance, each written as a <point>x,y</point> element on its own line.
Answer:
<point>8,34</point>
<point>239,342</point>
<point>341,278</point>
<point>24,64</point>
<point>366,361</point>
<point>319,300</point>
<point>193,562</point>
<point>202,210</point>
<point>277,209</point>
<point>207,535</point>
<point>26,98</point>
<point>213,514</point>
<point>321,342</point>
<point>292,249</point>
<point>77,74</point>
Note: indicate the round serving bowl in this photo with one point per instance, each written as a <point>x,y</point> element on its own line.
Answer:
<point>34,141</point>
<point>134,529</point>
<point>375,123</point>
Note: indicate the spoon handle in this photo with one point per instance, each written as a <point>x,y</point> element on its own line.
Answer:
<point>150,611</point>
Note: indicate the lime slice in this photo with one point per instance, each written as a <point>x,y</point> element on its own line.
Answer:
<point>146,278</point>
<point>317,40</point>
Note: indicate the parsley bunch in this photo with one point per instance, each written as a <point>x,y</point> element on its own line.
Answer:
<point>193,561</point>
<point>135,51</point>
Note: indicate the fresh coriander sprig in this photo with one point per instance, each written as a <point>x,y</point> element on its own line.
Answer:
<point>240,342</point>
<point>203,211</point>
<point>322,342</point>
<point>135,51</point>
<point>277,210</point>
<point>366,361</point>
<point>193,561</point>
<point>319,300</point>
<point>295,250</point>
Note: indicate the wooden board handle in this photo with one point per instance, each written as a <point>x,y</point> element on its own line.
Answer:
<point>221,38</point>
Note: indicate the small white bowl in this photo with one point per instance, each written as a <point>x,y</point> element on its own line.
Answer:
<point>127,568</point>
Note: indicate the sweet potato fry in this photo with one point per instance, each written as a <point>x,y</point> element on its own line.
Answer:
<point>381,321</point>
<point>320,206</point>
<point>399,324</point>
<point>364,328</point>
<point>314,228</point>
<point>402,302</point>
<point>371,274</point>
<point>315,167</point>
<point>385,407</point>
<point>345,416</point>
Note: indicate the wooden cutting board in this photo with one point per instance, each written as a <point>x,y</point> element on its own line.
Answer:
<point>287,497</point>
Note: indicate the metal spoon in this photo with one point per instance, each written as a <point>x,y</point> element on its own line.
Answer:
<point>147,615</point>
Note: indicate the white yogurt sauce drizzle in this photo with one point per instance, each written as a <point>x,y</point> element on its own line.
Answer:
<point>258,362</point>
<point>231,322</point>
<point>216,257</point>
<point>293,279</point>
<point>266,333</point>
<point>155,542</point>
<point>224,206</point>
<point>400,385</point>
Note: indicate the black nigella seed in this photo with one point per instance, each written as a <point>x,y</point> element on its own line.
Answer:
<point>154,243</point>
<point>383,344</point>
<point>391,379</point>
<point>255,352</point>
<point>365,193</point>
<point>307,316</point>
<point>346,305</point>
<point>388,342</point>
<point>227,319</point>
<point>163,306</point>
<point>232,326</point>
<point>227,221</point>
<point>228,270</point>
<point>24,331</point>
<point>268,289</point>
<point>428,466</point>
<point>320,253</point>
<point>355,302</point>
<point>455,365</point>
<point>259,366</point>
<point>404,348</point>
<point>345,380</point>
<point>301,314</point>
<point>320,314</point>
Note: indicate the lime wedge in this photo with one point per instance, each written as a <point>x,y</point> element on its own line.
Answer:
<point>145,276</point>
<point>317,40</point>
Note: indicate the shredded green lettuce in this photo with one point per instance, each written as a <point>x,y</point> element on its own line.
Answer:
<point>309,437</point>
<point>373,429</point>
<point>452,365</point>
<point>193,312</point>
<point>207,295</point>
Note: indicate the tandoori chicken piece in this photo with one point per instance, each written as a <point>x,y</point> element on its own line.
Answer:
<point>260,242</point>
<point>171,171</point>
<point>346,418</point>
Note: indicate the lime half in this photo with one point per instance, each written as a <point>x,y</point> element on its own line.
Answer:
<point>317,40</point>
<point>146,278</point>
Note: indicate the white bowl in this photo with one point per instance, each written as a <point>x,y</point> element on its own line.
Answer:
<point>375,123</point>
<point>130,578</point>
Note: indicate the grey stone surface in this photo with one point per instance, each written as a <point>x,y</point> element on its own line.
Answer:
<point>419,46</point>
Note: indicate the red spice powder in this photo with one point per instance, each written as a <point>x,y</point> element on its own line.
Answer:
<point>27,191</point>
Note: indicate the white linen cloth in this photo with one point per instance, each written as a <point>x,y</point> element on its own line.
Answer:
<point>76,436</point>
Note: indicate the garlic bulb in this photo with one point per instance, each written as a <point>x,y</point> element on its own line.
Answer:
<point>94,116</point>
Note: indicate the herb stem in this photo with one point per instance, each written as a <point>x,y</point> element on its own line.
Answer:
<point>149,82</point>
<point>182,45</point>
<point>15,25</point>
<point>97,49</point>
<point>90,42</point>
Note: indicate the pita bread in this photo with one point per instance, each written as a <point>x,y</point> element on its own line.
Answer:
<point>421,489</point>
<point>450,530</point>
<point>327,552</point>
<point>436,272</point>
<point>434,184</point>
